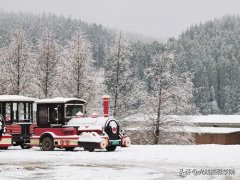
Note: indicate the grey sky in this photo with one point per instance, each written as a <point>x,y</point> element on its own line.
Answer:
<point>156,18</point>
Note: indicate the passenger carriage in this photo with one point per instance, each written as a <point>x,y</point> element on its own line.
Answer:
<point>18,115</point>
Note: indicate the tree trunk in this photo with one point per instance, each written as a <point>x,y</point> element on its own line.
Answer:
<point>18,70</point>
<point>158,120</point>
<point>157,132</point>
<point>78,71</point>
<point>47,74</point>
<point>117,76</point>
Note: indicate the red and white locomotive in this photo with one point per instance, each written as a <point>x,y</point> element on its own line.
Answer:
<point>61,123</point>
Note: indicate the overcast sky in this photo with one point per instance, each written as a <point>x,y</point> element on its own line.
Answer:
<point>156,18</point>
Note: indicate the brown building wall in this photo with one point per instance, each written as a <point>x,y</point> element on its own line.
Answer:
<point>231,138</point>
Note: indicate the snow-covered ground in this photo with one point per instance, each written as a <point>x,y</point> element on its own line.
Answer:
<point>135,162</point>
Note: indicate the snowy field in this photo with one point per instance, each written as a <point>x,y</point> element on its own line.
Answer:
<point>136,162</point>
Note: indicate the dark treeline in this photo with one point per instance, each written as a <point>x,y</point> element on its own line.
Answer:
<point>211,51</point>
<point>63,28</point>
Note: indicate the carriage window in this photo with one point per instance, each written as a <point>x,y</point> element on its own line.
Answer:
<point>27,112</point>
<point>73,109</point>
<point>8,112</point>
<point>24,111</point>
<point>34,110</point>
<point>1,110</point>
<point>21,111</point>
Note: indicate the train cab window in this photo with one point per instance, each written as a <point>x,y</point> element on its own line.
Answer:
<point>43,116</point>
<point>73,109</point>
<point>50,115</point>
<point>55,114</point>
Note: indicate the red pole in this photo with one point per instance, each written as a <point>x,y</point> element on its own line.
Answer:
<point>106,105</point>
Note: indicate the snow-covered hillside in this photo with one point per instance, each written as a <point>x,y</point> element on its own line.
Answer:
<point>136,162</point>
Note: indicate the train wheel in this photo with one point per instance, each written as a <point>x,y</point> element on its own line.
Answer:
<point>69,148</point>
<point>89,149</point>
<point>47,144</point>
<point>25,146</point>
<point>111,148</point>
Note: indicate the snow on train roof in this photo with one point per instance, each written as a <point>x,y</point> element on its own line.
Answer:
<point>87,120</point>
<point>58,100</point>
<point>15,98</point>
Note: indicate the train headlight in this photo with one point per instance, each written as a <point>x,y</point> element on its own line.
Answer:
<point>113,126</point>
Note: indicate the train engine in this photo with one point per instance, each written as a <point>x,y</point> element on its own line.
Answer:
<point>99,132</point>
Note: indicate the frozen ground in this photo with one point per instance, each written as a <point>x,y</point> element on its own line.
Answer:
<point>136,162</point>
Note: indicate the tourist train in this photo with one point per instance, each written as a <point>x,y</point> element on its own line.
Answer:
<point>57,123</point>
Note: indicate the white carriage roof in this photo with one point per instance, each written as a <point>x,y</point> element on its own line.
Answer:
<point>58,100</point>
<point>15,98</point>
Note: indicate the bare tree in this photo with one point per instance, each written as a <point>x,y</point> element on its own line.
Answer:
<point>170,95</point>
<point>17,66</point>
<point>120,79</point>
<point>76,72</point>
<point>47,63</point>
<point>117,74</point>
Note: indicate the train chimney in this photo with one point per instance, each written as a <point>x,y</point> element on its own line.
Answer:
<point>106,105</point>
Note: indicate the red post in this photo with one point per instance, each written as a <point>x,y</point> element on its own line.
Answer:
<point>106,105</point>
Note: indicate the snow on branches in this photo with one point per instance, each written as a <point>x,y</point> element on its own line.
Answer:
<point>47,59</point>
<point>170,94</point>
<point>76,73</point>
<point>123,86</point>
<point>16,66</point>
